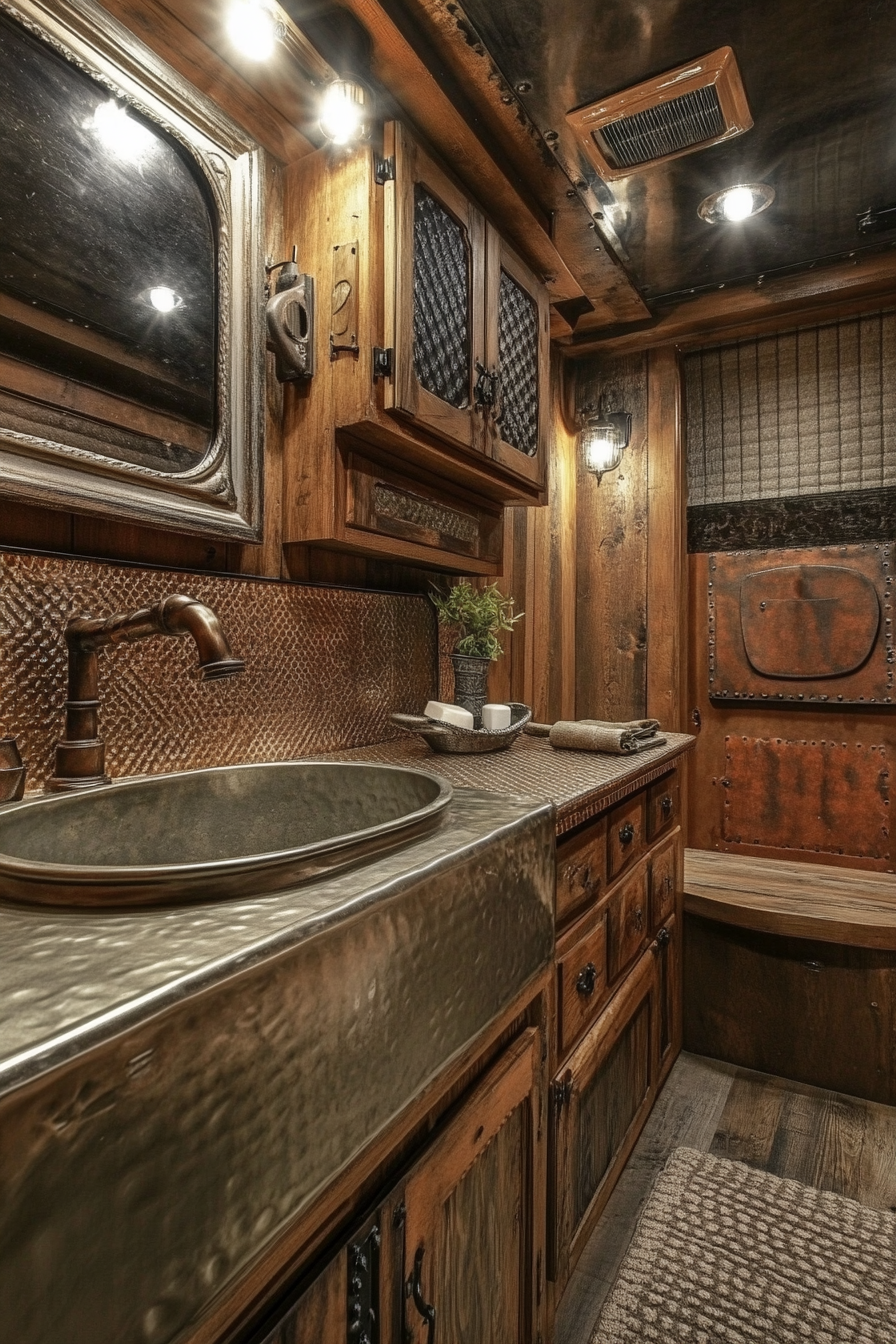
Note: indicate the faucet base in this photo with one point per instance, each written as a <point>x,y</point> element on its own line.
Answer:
<point>59,784</point>
<point>80,764</point>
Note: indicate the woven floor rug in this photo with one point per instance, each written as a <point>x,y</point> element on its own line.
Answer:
<point>724,1254</point>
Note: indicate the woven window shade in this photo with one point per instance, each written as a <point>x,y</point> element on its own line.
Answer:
<point>804,412</point>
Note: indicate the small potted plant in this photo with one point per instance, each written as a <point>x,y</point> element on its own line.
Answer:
<point>478,615</point>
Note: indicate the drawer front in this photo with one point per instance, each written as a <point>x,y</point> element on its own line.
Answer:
<point>664,880</point>
<point>625,835</point>
<point>663,805</point>
<point>627,921</point>
<point>581,981</point>
<point>581,864</point>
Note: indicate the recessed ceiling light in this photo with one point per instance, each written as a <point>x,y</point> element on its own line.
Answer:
<point>253,29</point>
<point>735,204</point>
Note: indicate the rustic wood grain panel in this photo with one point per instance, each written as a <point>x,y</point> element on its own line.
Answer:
<point>792,1007</point>
<point>479,1294</point>
<point>666,542</point>
<point>319,1317</point>
<point>611,555</point>
<point>836,905</point>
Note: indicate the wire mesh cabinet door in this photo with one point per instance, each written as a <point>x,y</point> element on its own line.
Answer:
<point>518,351</point>
<point>434,296</point>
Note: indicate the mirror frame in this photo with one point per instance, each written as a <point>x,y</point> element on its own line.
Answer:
<point>222,496</point>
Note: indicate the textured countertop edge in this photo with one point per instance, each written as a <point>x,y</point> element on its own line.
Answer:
<point>54,1052</point>
<point>578,810</point>
<point>522,996</point>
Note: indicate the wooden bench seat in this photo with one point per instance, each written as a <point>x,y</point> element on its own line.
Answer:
<point>798,900</point>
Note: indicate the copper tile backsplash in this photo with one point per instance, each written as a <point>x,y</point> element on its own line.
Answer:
<point>325,667</point>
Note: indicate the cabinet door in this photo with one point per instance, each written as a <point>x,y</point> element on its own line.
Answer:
<point>517,317</point>
<point>342,1302</point>
<point>600,1102</point>
<point>472,1256</point>
<point>434,292</point>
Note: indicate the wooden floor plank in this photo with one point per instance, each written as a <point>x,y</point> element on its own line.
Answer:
<point>748,1125</point>
<point>803,1133</point>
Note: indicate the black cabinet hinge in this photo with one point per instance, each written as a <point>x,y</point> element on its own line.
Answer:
<point>383,170</point>
<point>562,1093</point>
<point>382,362</point>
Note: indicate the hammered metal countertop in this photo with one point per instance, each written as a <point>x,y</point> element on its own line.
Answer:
<point>177,1086</point>
<point>579,783</point>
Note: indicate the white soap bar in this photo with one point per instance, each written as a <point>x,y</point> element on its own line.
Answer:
<point>453,714</point>
<point>495,717</point>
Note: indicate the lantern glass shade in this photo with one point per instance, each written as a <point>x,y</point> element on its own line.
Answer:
<point>345,112</point>
<point>602,446</point>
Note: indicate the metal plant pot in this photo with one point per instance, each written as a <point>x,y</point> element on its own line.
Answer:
<point>471,684</point>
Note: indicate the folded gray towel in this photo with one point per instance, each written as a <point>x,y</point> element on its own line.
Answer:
<point>618,739</point>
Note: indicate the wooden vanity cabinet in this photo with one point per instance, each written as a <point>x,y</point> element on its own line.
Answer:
<point>455,1251</point>
<point>432,343</point>
<point>619,1003</point>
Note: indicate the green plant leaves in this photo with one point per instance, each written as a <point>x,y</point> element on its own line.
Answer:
<point>480,614</point>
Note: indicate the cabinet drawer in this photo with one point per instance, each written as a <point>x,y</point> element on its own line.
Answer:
<point>663,805</point>
<point>625,835</point>
<point>379,500</point>
<point>627,921</point>
<point>581,981</point>
<point>664,880</point>
<point>581,864</point>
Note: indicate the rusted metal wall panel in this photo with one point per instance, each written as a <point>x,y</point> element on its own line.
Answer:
<point>826,796</point>
<point>811,626</point>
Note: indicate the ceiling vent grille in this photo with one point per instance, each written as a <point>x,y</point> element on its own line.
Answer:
<point>686,109</point>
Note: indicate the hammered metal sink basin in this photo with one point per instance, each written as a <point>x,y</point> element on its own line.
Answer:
<point>211,834</point>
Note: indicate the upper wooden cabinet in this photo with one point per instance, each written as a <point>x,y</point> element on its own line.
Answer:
<point>432,355</point>
<point>467,321</point>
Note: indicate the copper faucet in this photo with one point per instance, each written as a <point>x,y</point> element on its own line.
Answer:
<point>80,756</point>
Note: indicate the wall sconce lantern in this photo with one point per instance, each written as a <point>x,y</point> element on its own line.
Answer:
<point>604,436</point>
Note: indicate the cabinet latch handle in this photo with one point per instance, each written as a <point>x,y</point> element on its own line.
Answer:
<point>666,804</point>
<point>415,1290</point>
<point>663,937</point>
<point>587,979</point>
<point>486,387</point>
<point>626,833</point>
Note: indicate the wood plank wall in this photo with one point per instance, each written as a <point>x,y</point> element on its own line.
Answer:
<point>630,540</point>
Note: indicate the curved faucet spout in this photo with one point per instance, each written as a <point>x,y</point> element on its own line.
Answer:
<point>80,756</point>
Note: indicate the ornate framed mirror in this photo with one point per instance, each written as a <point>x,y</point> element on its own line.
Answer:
<point>131,282</point>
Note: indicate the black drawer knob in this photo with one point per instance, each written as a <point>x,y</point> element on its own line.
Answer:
<point>626,833</point>
<point>663,937</point>
<point>666,804</point>
<point>587,979</point>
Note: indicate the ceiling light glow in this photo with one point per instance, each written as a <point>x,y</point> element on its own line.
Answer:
<point>735,204</point>
<point>344,112</point>
<point>253,29</point>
